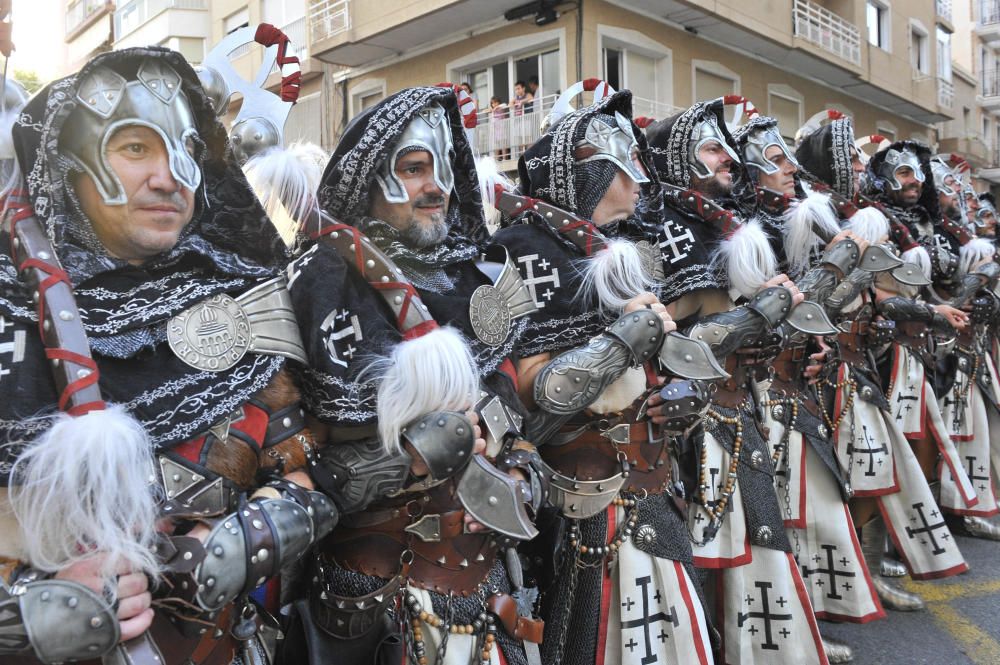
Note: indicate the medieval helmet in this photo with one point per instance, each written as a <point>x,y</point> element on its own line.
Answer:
<point>613,142</point>
<point>429,130</point>
<point>107,102</point>
<point>897,159</point>
<point>704,133</point>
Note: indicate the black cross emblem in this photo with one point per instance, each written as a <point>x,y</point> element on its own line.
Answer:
<point>871,452</point>
<point>714,471</point>
<point>648,619</point>
<point>900,397</point>
<point>956,414</point>
<point>831,571</point>
<point>926,528</point>
<point>766,615</point>
<point>972,473</point>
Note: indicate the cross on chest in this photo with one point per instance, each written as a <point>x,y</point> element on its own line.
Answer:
<point>676,243</point>
<point>14,346</point>
<point>647,619</point>
<point>906,397</point>
<point>533,281</point>
<point>766,616</point>
<point>927,529</point>
<point>956,413</point>
<point>830,571</point>
<point>882,449</point>
<point>983,480</point>
<point>338,325</point>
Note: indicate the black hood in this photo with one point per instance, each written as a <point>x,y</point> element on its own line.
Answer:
<point>748,176</point>
<point>879,188</point>
<point>669,140</point>
<point>826,155</point>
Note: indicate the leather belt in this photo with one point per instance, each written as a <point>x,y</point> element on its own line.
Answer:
<point>523,628</point>
<point>788,367</point>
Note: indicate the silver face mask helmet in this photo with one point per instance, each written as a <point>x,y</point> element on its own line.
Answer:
<point>613,143</point>
<point>986,210</point>
<point>707,132</point>
<point>896,160</point>
<point>758,142</point>
<point>942,172</point>
<point>107,102</point>
<point>429,130</point>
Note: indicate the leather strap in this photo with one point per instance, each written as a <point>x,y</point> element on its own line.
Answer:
<point>523,628</point>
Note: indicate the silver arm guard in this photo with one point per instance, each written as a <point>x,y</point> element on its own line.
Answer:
<point>944,264</point>
<point>250,546</point>
<point>983,277</point>
<point>356,473</point>
<point>903,309</point>
<point>844,256</point>
<point>819,282</point>
<point>850,288</point>
<point>60,621</point>
<point>727,331</point>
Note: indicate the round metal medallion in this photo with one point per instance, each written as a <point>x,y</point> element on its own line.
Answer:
<point>489,315</point>
<point>211,336</point>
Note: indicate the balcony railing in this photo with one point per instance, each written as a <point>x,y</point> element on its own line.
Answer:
<point>131,16</point>
<point>990,81</point>
<point>989,12</point>
<point>943,9</point>
<point>946,93</point>
<point>81,10</point>
<point>296,31</point>
<point>505,133</point>
<point>827,30</point>
<point>328,18</point>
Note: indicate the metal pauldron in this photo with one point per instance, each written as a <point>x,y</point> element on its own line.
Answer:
<point>844,256</point>
<point>773,303</point>
<point>250,546</point>
<point>572,381</point>
<point>357,473</point>
<point>444,441</point>
<point>59,620</point>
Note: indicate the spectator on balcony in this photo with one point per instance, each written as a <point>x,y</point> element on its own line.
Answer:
<point>499,113</point>
<point>475,100</point>
<point>521,105</point>
<point>533,90</point>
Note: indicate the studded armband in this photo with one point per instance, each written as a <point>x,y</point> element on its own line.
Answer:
<point>55,620</point>
<point>357,473</point>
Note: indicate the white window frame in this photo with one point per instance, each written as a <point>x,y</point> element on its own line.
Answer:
<point>884,127</point>
<point>244,11</point>
<point>716,68</point>
<point>790,94</point>
<point>918,28</point>
<point>510,49</point>
<point>886,7</point>
<point>947,74</point>
<point>627,40</point>
<point>362,89</point>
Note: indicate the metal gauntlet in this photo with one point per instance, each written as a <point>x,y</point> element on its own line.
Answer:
<point>902,309</point>
<point>684,404</point>
<point>844,256</point>
<point>944,264</point>
<point>356,473</point>
<point>60,621</point>
<point>254,543</point>
<point>572,381</point>
<point>727,331</point>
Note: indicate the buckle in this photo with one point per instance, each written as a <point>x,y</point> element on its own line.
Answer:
<point>619,434</point>
<point>427,528</point>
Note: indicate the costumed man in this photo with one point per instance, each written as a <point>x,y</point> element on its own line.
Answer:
<point>884,473</point>
<point>419,333</point>
<point>811,485</point>
<point>735,516</point>
<point>986,217</point>
<point>142,272</point>
<point>621,586</point>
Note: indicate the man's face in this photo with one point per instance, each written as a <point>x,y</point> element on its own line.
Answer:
<point>720,163</point>
<point>421,219</point>
<point>619,202</point>
<point>782,180</point>
<point>971,207</point>
<point>157,207</point>
<point>948,202</point>
<point>857,168</point>
<point>518,90</point>
<point>910,188</point>
<point>989,225</point>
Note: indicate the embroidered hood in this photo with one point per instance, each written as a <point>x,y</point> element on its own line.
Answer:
<point>880,188</point>
<point>827,155</point>
<point>670,141</point>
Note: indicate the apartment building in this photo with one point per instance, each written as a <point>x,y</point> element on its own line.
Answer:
<point>886,63</point>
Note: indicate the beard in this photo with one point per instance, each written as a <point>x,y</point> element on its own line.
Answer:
<point>712,187</point>
<point>423,234</point>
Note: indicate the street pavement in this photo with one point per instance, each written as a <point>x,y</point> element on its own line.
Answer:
<point>960,626</point>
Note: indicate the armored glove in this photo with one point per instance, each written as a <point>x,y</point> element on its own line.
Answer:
<point>727,331</point>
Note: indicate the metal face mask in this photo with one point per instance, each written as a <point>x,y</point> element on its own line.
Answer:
<point>429,130</point>
<point>707,132</point>
<point>614,143</point>
<point>896,160</point>
<point>757,144</point>
<point>942,174</point>
<point>108,102</point>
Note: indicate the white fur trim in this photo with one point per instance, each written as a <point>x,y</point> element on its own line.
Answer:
<point>622,392</point>
<point>614,275</point>
<point>799,236</point>
<point>974,252</point>
<point>83,488</point>
<point>747,258</point>
<point>918,256</point>
<point>434,372</point>
<point>869,223</point>
<point>489,177</point>
<point>286,181</point>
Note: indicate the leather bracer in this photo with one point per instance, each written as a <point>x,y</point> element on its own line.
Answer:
<point>55,620</point>
<point>727,331</point>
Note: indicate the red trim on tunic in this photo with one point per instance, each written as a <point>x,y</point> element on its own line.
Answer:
<point>602,629</point>
<point>689,604</point>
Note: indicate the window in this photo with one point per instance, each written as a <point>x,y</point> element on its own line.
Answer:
<point>887,129</point>
<point>785,106</point>
<point>364,94</point>
<point>498,79</point>
<point>633,61</point>
<point>281,13</point>
<point>303,122</point>
<point>943,54</point>
<point>368,100</point>
<point>878,24</point>
<point>713,80</point>
<point>966,119</point>
<point>630,70</point>
<point>192,48</point>
<point>234,22</point>
<point>919,48</point>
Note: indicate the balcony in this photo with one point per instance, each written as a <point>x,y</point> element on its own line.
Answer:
<point>990,90</point>
<point>827,30</point>
<point>352,33</point>
<point>942,8</point>
<point>988,21</point>
<point>505,134</point>
<point>133,15</point>
<point>83,13</point>
<point>945,93</point>
<point>972,147</point>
